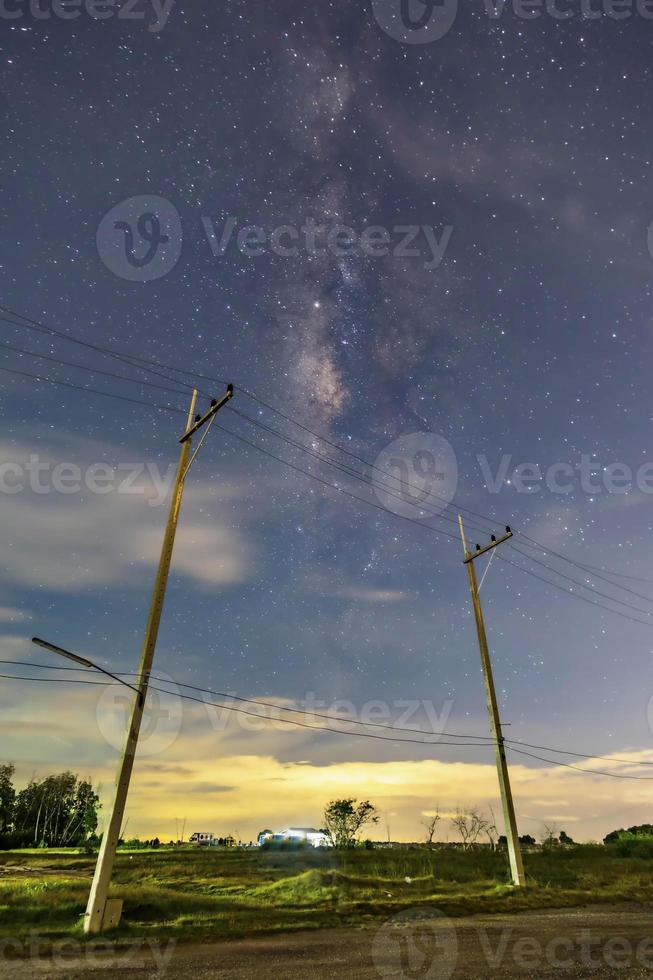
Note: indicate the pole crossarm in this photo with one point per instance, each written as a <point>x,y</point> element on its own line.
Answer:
<point>470,556</point>
<point>213,411</point>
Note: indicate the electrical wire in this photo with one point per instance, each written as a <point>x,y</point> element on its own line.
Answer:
<point>254,714</point>
<point>317,714</point>
<point>333,731</point>
<point>95,391</point>
<point>343,468</point>
<point>570,594</point>
<point>91,370</point>
<point>355,474</point>
<point>566,592</point>
<point>569,765</point>
<point>258,702</point>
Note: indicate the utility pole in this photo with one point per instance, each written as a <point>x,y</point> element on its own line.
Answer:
<point>512,836</point>
<point>101,914</point>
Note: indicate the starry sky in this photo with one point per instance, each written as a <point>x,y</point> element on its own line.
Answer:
<point>530,140</point>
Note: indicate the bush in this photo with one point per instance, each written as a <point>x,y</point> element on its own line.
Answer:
<point>14,839</point>
<point>633,847</point>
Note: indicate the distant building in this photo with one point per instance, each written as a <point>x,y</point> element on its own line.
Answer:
<point>299,835</point>
<point>201,839</point>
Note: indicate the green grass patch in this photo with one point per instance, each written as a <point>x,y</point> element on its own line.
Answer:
<point>228,893</point>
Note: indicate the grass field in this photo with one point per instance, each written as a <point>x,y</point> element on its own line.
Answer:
<point>228,893</point>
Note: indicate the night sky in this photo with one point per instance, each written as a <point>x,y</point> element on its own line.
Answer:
<point>527,145</point>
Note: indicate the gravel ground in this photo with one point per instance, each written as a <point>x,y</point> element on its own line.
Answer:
<point>599,941</point>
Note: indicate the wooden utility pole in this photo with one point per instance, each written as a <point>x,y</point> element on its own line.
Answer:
<point>101,914</point>
<point>512,836</point>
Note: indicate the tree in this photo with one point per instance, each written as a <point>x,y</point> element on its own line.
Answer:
<point>640,830</point>
<point>344,819</point>
<point>491,831</point>
<point>470,825</point>
<point>430,823</point>
<point>564,838</point>
<point>60,810</point>
<point>262,833</point>
<point>550,835</point>
<point>7,797</point>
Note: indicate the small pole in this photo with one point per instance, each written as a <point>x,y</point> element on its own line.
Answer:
<point>512,836</point>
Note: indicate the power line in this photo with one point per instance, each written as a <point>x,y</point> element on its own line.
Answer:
<point>348,493</point>
<point>91,370</point>
<point>318,714</point>
<point>127,358</point>
<point>131,358</point>
<point>569,578</point>
<point>569,765</point>
<point>445,517</point>
<point>95,391</point>
<point>579,755</point>
<point>531,543</point>
<point>334,731</point>
<point>256,701</point>
<point>253,714</point>
<point>334,486</point>
<point>343,468</point>
<point>570,594</point>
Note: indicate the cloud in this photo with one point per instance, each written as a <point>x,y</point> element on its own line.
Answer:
<point>229,780</point>
<point>72,541</point>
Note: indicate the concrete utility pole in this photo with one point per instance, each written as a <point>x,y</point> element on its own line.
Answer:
<point>512,836</point>
<point>101,913</point>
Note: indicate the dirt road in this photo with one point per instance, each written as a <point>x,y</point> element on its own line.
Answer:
<point>600,941</point>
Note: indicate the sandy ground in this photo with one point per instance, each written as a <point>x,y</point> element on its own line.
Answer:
<point>597,941</point>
